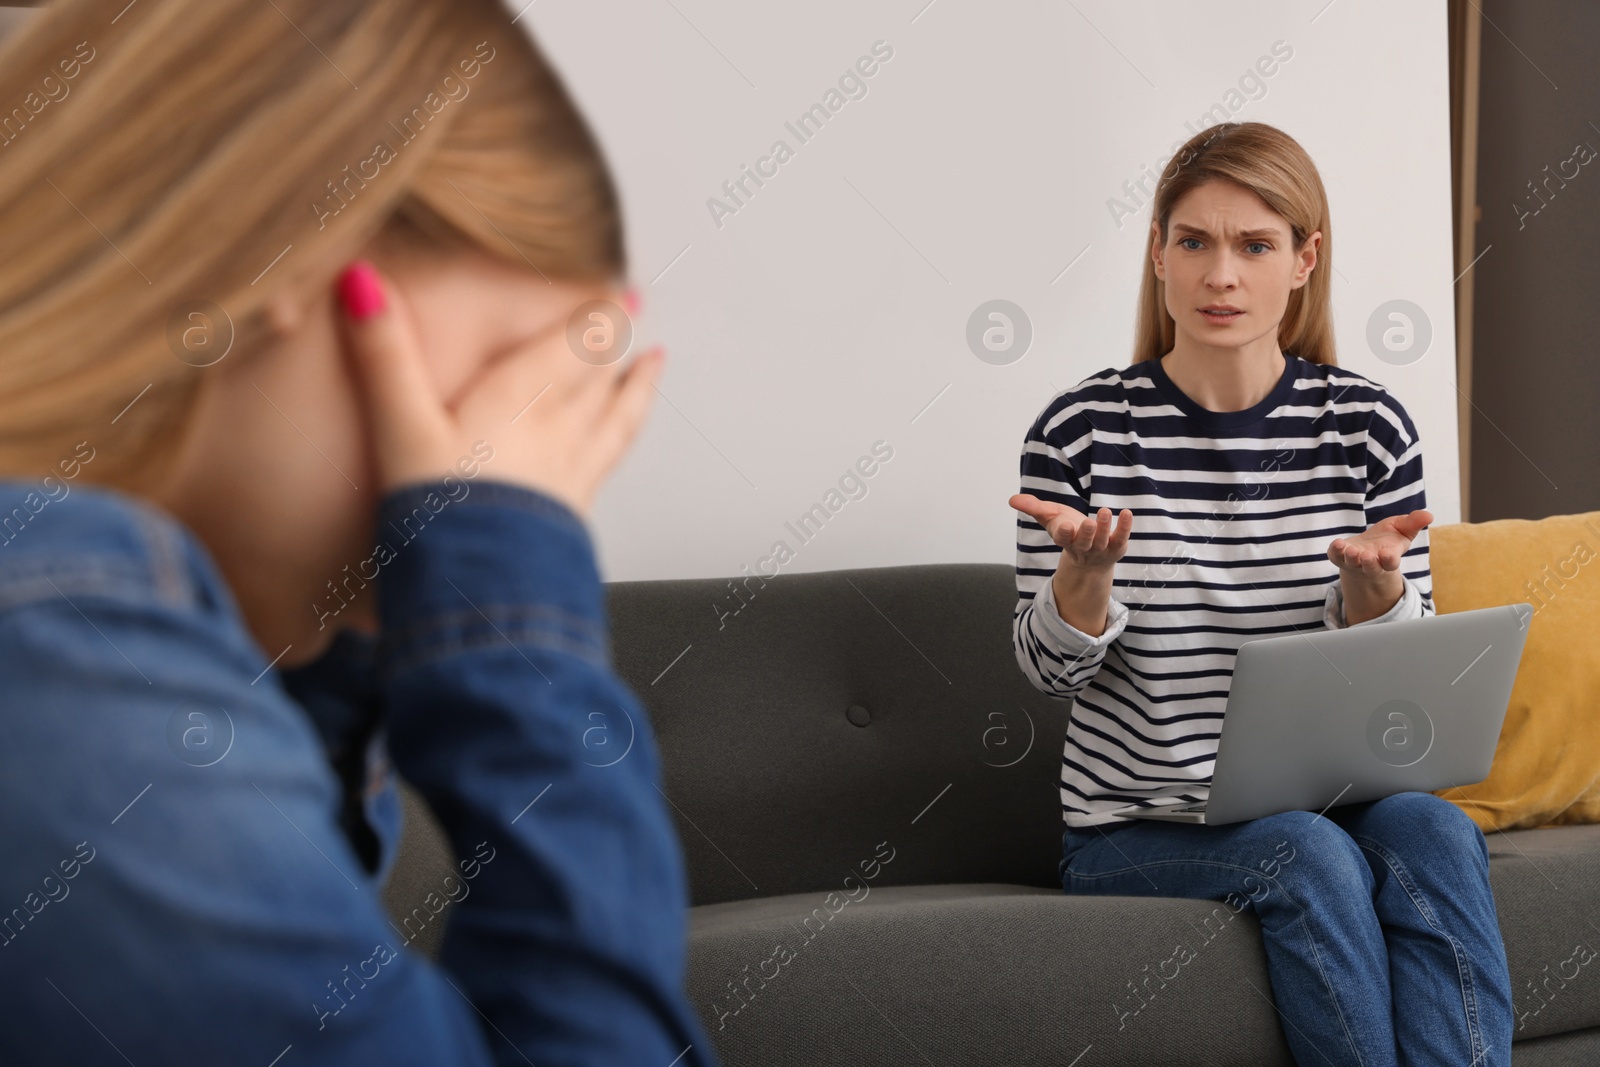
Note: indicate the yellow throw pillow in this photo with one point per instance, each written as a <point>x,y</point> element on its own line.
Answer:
<point>1547,764</point>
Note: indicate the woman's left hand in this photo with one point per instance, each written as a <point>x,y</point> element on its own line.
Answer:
<point>1370,554</point>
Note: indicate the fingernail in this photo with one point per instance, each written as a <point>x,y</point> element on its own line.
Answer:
<point>630,300</point>
<point>360,290</point>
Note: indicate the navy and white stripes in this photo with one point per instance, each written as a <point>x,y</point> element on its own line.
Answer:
<point>1233,513</point>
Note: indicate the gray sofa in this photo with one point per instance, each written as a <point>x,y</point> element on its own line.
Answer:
<point>865,788</point>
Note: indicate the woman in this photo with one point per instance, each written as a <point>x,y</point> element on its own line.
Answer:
<point>1276,493</point>
<point>272,520</point>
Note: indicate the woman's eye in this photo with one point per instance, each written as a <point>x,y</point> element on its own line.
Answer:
<point>1183,243</point>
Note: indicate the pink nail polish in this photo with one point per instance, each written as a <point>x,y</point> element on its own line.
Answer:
<point>360,291</point>
<point>630,300</point>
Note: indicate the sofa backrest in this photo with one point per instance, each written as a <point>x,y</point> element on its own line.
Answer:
<point>869,722</point>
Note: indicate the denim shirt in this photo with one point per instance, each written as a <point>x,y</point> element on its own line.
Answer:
<point>195,842</point>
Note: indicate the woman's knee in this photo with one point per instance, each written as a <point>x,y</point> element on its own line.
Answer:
<point>1418,816</point>
<point>1300,848</point>
<point>1425,810</point>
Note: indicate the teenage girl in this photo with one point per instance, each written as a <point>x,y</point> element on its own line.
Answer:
<point>298,456</point>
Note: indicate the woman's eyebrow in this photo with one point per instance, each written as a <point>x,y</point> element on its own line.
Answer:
<point>1182,227</point>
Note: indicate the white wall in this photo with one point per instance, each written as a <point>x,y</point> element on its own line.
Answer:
<point>830,311</point>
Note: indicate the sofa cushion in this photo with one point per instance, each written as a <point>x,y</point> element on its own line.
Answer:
<point>1022,972</point>
<point>993,973</point>
<point>1547,896</point>
<point>806,719</point>
<point>980,974</point>
<point>1547,764</point>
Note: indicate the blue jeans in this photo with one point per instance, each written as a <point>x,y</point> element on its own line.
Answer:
<point>1382,942</point>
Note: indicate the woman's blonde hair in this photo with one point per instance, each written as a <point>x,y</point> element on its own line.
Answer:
<point>1271,164</point>
<point>166,169</point>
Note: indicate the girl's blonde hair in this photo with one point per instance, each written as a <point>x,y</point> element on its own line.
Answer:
<point>1271,164</point>
<point>166,168</point>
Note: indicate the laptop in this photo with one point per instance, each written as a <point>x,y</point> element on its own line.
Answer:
<point>1344,716</point>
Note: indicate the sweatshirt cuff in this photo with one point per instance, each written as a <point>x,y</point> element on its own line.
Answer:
<point>1067,636</point>
<point>1408,606</point>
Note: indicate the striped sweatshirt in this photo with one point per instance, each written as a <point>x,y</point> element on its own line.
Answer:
<point>1233,513</point>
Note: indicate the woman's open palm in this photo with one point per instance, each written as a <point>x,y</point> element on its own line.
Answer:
<point>1092,542</point>
<point>1380,546</point>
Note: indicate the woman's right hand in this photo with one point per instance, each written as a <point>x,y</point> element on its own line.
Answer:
<point>1087,543</point>
<point>565,445</point>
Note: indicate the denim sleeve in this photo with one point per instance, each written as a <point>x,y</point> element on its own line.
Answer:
<point>178,887</point>
<point>504,712</point>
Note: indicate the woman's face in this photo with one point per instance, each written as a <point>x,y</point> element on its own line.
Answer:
<point>278,480</point>
<point>1226,246</point>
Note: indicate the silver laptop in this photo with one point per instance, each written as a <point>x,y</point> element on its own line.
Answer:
<point>1344,716</point>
